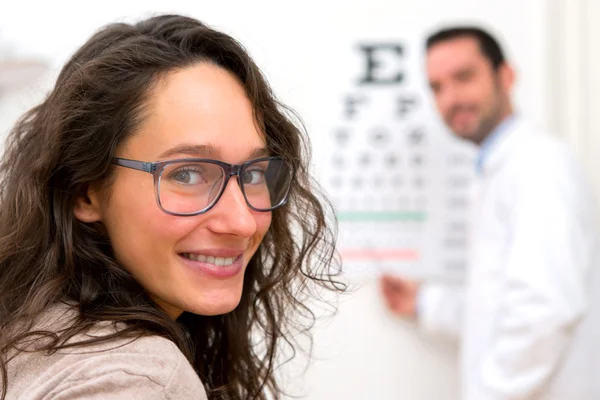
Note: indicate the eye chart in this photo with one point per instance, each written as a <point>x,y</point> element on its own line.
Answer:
<point>399,181</point>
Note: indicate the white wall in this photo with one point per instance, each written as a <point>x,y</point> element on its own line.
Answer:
<point>363,352</point>
<point>574,81</point>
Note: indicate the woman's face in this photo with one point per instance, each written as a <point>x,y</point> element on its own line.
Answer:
<point>195,263</point>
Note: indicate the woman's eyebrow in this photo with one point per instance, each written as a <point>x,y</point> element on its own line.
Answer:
<point>200,150</point>
<point>259,152</point>
<point>207,151</point>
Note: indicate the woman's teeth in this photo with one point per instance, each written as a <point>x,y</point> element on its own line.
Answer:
<point>219,261</point>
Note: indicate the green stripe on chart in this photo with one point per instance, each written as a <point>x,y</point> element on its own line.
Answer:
<point>380,216</point>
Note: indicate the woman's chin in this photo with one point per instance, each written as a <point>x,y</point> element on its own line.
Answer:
<point>217,306</point>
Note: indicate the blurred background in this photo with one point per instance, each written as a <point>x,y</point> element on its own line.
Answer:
<point>397,177</point>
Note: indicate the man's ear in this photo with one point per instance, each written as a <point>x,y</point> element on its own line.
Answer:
<point>506,74</point>
<point>87,206</point>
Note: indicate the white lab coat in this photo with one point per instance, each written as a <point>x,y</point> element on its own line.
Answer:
<point>529,316</point>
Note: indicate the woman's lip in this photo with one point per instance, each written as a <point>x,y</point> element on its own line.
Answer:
<point>224,253</point>
<point>215,271</point>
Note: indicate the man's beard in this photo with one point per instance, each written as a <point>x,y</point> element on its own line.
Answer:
<point>484,124</point>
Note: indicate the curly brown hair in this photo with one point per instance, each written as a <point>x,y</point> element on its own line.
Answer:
<point>61,147</point>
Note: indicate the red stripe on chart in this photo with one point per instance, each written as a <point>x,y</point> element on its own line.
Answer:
<point>380,254</point>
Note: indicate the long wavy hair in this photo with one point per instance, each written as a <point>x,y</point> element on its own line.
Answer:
<point>66,143</point>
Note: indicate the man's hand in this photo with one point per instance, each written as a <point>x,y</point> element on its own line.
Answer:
<point>400,295</point>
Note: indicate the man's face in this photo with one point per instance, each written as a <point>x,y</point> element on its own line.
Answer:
<point>471,96</point>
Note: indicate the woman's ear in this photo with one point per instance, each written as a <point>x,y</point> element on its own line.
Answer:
<point>87,206</point>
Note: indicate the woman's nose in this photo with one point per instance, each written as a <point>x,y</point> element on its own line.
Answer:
<point>232,214</point>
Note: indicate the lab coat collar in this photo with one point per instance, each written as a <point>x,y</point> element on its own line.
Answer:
<point>497,150</point>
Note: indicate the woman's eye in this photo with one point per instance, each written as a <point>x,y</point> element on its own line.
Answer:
<point>188,177</point>
<point>254,177</point>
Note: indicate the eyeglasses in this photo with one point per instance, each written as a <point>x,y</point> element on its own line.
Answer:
<point>192,186</point>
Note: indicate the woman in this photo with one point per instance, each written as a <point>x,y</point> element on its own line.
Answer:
<point>157,226</point>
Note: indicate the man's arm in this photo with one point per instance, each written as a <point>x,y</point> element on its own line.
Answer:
<point>437,307</point>
<point>440,309</point>
<point>544,291</point>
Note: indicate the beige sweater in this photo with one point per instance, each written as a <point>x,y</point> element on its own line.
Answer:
<point>146,369</point>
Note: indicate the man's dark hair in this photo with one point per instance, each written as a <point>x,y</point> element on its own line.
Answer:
<point>487,43</point>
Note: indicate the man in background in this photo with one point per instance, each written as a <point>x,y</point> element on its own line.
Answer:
<point>528,324</point>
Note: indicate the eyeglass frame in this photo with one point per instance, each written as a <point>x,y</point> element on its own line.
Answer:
<point>156,168</point>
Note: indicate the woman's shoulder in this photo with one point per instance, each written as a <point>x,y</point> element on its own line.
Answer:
<point>119,368</point>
